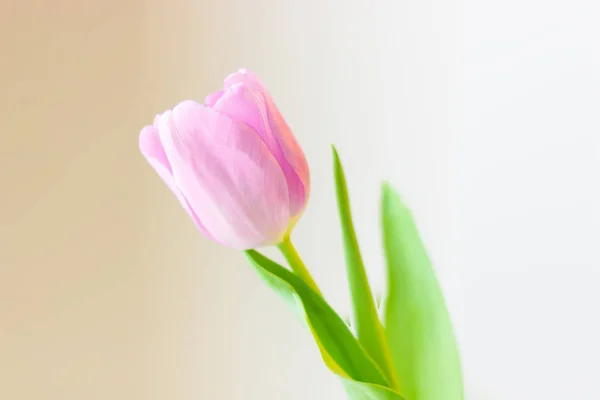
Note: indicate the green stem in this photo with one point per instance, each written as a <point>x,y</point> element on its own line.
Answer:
<point>293,258</point>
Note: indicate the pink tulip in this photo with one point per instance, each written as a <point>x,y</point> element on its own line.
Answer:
<point>233,163</point>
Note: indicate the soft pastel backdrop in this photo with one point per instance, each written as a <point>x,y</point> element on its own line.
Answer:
<point>483,113</point>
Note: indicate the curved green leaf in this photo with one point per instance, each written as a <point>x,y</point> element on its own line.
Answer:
<point>362,391</point>
<point>365,317</point>
<point>417,323</point>
<point>281,288</point>
<point>340,350</point>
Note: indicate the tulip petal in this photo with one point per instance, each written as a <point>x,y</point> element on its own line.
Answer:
<point>289,145</point>
<point>246,102</point>
<point>212,98</point>
<point>232,181</point>
<point>152,149</point>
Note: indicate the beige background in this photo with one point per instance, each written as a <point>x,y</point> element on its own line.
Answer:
<point>108,292</point>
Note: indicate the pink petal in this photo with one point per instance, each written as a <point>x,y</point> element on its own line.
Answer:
<point>152,149</point>
<point>231,180</point>
<point>244,75</point>
<point>246,104</point>
<point>291,149</point>
<point>246,100</point>
<point>212,98</point>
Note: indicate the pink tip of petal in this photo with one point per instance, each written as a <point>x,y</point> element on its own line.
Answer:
<point>151,147</point>
<point>212,98</point>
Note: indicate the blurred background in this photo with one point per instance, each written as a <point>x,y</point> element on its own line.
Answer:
<point>483,114</point>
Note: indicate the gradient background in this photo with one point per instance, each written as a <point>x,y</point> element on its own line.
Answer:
<point>483,113</point>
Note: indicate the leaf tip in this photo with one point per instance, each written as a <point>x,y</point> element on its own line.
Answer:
<point>336,156</point>
<point>252,255</point>
<point>393,205</point>
<point>388,193</point>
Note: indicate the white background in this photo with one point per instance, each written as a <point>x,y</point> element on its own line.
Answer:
<point>484,115</point>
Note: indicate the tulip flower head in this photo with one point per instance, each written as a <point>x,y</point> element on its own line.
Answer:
<point>232,162</point>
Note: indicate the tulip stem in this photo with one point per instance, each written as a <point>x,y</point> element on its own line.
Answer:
<point>293,258</point>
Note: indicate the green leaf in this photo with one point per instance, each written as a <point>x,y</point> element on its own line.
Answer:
<point>417,323</point>
<point>339,349</point>
<point>361,391</point>
<point>365,317</point>
<point>282,289</point>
